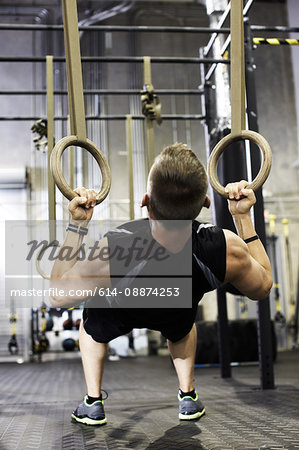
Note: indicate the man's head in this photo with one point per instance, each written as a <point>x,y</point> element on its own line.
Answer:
<point>177,185</point>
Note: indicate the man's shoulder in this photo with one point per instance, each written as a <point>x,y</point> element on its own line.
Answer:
<point>209,249</point>
<point>206,231</point>
<point>208,241</point>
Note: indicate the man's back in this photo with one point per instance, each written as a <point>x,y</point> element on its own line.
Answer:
<point>144,274</point>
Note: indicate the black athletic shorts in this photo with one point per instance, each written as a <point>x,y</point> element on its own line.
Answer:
<point>107,324</point>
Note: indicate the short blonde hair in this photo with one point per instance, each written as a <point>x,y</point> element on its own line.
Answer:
<point>177,184</point>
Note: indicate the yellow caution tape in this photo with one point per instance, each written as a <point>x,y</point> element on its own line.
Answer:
<point>275,41</point>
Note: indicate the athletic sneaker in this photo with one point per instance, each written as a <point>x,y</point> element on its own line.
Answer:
<point>189,408</point>
<point>93,414</point>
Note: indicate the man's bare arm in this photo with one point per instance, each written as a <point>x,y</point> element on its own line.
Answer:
<point>248,266</point>
<point>74,278</point>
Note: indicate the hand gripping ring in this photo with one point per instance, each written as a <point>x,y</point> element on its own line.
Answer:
<point>220,147</point>
<point>96,153</point>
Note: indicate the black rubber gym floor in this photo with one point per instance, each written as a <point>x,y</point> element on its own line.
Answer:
<point>37,400</point>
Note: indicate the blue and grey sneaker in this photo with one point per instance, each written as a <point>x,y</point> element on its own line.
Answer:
<point>93,414</point>
<point>189,408</point>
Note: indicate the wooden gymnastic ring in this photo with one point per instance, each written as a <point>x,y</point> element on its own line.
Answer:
<point>220,147</point>
<point>96,153</point>
<point>39,257</point>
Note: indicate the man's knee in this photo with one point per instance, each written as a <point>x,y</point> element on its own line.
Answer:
<point>183,338</point>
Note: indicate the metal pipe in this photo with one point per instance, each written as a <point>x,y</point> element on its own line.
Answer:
<point>201,30</point>
<point>118,59</point>
<point>281,200</point>
<point>277,29</point>
<point>157,29</point>
<point>115,117</point>
<point>143,28</point>
<point>109,92</point>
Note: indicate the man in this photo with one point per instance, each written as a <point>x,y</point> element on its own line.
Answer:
<point>176,192</point>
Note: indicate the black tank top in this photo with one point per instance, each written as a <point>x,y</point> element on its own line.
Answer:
<point>208,258</point>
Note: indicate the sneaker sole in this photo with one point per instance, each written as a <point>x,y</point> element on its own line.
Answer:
<point>88,420</point>
<point>192,416</point>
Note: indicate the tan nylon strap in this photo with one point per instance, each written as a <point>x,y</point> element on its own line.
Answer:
<point>272,218</point>
<point>77,113</point>
<point>238,120</point>
<point>147,75</point>
<point>71,157</point>
<point>50,134</point>
<point>74,69</point>
<point>129,136</point>
<point>285,223</point>
<point>150,142</point>
<point>147,80</point>
<point>238,117</point>
<point>51,184</point>
<point>151,105</point>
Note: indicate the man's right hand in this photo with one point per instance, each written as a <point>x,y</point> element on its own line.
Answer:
<point>81,207</point>
<point>240,199</point>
